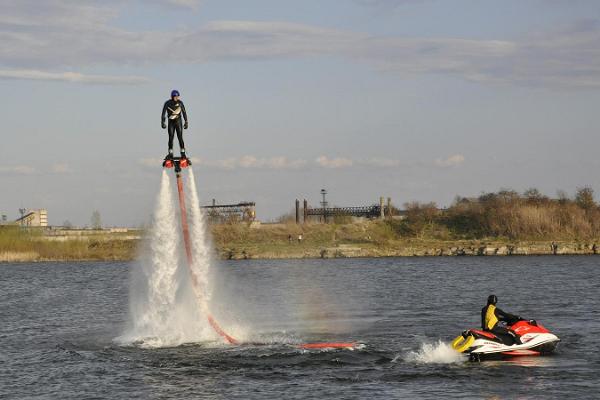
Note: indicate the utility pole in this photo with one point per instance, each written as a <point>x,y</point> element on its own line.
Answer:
<point>22,212</point>
<point>305,210</point>
<point>324,204</point>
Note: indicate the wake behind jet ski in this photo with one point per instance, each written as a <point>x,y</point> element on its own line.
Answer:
<point>484,345</point>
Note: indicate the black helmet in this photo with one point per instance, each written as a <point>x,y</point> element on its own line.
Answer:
<point>492,299</point>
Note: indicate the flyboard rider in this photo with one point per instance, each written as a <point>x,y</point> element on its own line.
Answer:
<point>491,317</point>
<point>174,111</point>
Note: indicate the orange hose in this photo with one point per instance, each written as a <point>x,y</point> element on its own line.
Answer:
<point>184,224</point>
<point>211,320</point>
<point>188,253</point>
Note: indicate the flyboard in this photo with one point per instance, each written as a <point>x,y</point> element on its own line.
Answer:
<point>179,163</point>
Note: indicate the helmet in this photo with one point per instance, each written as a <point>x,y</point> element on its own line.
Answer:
<point>174,93</point>
<point>492,299</point>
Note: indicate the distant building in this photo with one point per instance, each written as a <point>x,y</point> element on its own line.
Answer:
<point>34,218</point>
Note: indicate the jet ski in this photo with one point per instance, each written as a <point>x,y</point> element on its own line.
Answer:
<point>483,345</point>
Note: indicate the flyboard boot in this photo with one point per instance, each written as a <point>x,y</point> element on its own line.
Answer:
<point>184,157</point>
<point>168,159</point>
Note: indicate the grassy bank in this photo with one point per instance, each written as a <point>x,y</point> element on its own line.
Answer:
<point>33,245</point>
<point>374,239</point>
<point>240,241</point>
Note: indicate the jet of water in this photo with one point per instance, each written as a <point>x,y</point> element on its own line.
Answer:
<point>164,309</point>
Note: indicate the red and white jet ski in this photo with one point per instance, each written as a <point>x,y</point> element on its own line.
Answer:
<point>482,345</point>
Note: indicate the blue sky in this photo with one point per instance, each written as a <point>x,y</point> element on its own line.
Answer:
<point>413,99</point>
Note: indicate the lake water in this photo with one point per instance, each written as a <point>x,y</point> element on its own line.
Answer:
<point>59,322</point>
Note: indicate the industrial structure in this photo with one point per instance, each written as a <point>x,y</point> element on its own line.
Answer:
<point>219,213</point>
<point>33,218</point>
<point>326,213</point>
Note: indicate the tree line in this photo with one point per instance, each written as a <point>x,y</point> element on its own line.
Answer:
<point>506,213</point>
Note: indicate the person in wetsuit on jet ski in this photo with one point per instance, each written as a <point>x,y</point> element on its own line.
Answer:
<point>491,317</point>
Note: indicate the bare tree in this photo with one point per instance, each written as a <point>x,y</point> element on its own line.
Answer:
<point>584,197</point>
<point>96,221</point>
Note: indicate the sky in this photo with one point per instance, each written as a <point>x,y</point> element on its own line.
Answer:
<point>417,100</point>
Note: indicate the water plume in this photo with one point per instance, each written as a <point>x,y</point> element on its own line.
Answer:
<point>164,307</point>
<point>435,353</point>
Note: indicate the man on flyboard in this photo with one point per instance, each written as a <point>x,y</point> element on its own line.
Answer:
<point>174,110</point>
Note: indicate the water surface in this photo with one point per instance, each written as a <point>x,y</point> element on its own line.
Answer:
<point>59,322</point>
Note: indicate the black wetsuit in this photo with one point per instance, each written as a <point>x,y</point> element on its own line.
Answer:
<point>499,330</point>
<point>174,111</point>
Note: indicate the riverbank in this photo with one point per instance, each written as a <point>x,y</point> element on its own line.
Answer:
<point>281,241</point>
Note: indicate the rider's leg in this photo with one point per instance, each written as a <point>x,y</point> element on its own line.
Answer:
<point>171,131</point>
<point>179,130</point>
<point>501,331</point>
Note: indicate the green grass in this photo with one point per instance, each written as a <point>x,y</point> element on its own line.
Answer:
<point>367,238</point>
<point>33,242</point>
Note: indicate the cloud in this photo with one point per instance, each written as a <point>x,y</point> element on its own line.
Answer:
<point>72,77</point>
<point>338,162</point>
<point>382,162</point>
<point>193,4</point>
<point>58,34</point>
<point>272,163</point>
<point>60,168</point>
<point>388,4</point>
<point>452,161</point>
<point>284,163</point>
<point>18,170</point>
<point>244,162</point>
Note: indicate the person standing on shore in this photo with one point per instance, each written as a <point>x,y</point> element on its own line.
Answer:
<point>174,110</point>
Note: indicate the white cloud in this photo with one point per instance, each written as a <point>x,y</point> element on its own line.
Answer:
<point>382,162</point>
<point>73,77</point>
<point>18,169</point>
<point>338,162</point>
<point>231,163</point>
<point>452,161</point>
<point>150,162</point>
<point>193,4</point>
<point>54,34</point>
<point>281,163</point>
<point>61,168</point>
<point>272,163</point>
<point>387,4</point>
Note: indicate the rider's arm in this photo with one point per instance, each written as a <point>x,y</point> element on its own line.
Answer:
<point>183,112</point>
<point>504,316</point>
<point>483,312</point>
<point>162,115</point>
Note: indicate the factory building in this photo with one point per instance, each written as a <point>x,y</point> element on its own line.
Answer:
<point>34,218</point>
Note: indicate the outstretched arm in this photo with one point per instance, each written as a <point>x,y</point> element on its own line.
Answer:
<point>506,317</point>
<point>185,125</point>
<point>184,113</point>
<point>162,115</point>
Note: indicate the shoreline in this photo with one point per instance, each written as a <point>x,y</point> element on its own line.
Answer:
<point>369,239</point>
<point>313,251</point>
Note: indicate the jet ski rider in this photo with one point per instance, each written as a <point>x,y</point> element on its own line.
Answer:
<point>491,317</point>
<point>174,109</point>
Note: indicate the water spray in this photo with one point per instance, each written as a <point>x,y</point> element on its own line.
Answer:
<point>170,302</point>
<point>179,163</point>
